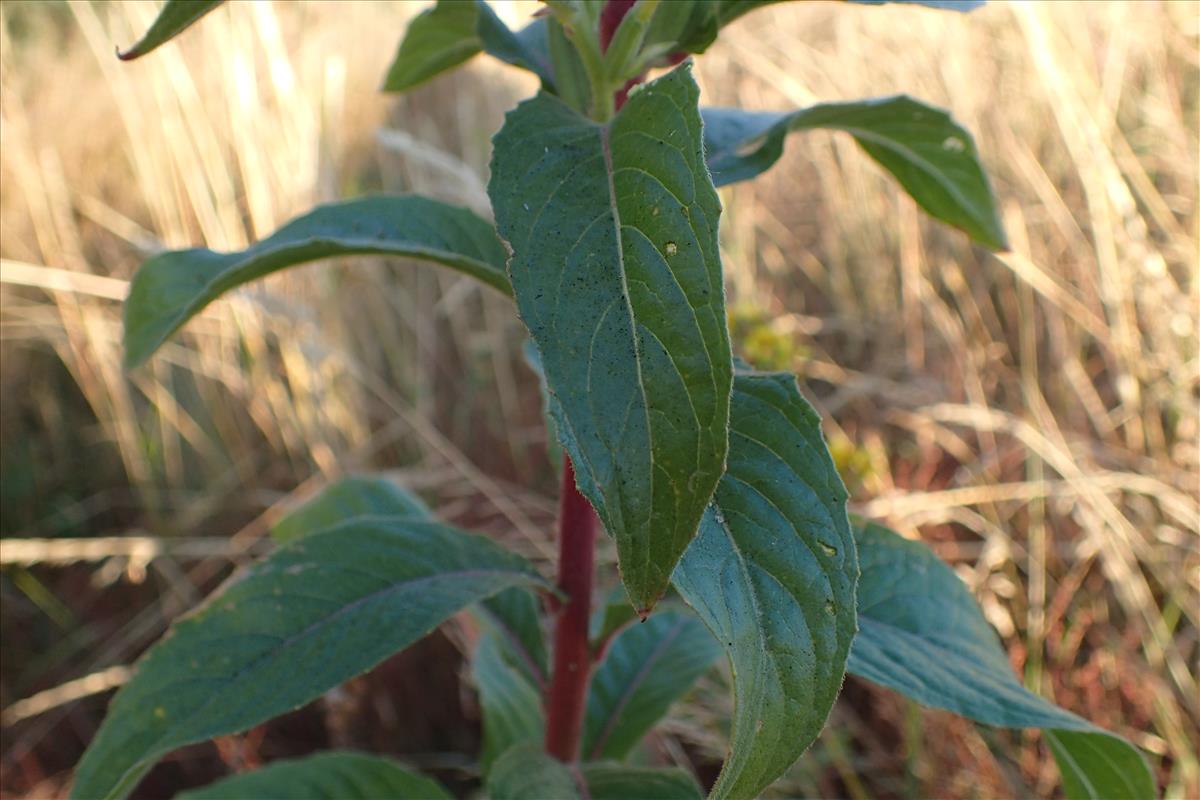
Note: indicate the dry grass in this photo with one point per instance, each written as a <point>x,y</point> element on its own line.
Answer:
<point>1033,415</point>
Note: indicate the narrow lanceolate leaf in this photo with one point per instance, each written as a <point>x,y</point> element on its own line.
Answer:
<point>326,776</point>
<point>616,272</point>
<point>511,704</point>
<point>509,668</point>
<point>525,772</point>
<point>609,781</point>
<point>173,287</point>
<point>931,155</point>
<point>175,17</point>
<point>453,31</point>
<point>922,634</point>
<point>512,615</point>
<point>315,613</point>
<point>645,669</point>
<point>772,574</point>
<point>350,497</point>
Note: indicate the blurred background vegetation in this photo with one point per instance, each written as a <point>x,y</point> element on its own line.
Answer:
<point>1032,415</point>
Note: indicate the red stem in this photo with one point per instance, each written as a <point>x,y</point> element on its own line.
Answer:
<point>567,697</point>
<point>610,19</point>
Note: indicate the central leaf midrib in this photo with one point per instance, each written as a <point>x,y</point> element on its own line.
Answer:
<point>626,297</point>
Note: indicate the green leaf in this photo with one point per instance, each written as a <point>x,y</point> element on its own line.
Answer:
<point>173,287</point>
<point>608,781</point>
<point>313,614</point>
<point>646,668</point>
<point>350,497</point>
<point>512,616</point>
<point>510,702</point>
<point>325,776</point>
<point>510,672</point>
<point>550,410</point>
<point>527,773</point>
<point>617,274</point>
<point>570,76</point>
<point>454,31</point>
<point>931,155</point>
<point>527,48</point>
<point>772,574</point>
<point>1097,765</point>
<point>438,39</point>
<point>175,17</point>
<point>689,26</point>
<point>610,616</point>
<point>922,634</point>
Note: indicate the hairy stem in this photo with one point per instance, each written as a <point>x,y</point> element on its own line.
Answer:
<point>567,696</point>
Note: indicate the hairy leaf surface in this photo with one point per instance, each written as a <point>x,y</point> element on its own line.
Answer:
<point>175,17</point>
<point>349,497</point>
<point>173,287</point>
<point>646,668</point>
<point>609,781</point>
<point>616,272</point>
<point>772,573</point>
<point>922,634</point>
<point>932,156</point>
<point>315,613</point>
<point>325,776</point>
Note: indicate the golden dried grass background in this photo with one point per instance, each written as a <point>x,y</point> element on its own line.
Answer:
<point>1033,415</point>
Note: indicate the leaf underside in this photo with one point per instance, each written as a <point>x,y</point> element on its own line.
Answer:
<point>173,287</point>
<point>617,275</point>
<point>336,775</point>
<point>772,574</point>
<point>922,634</point>
<point>932,156</point>
<point>316,612</point>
